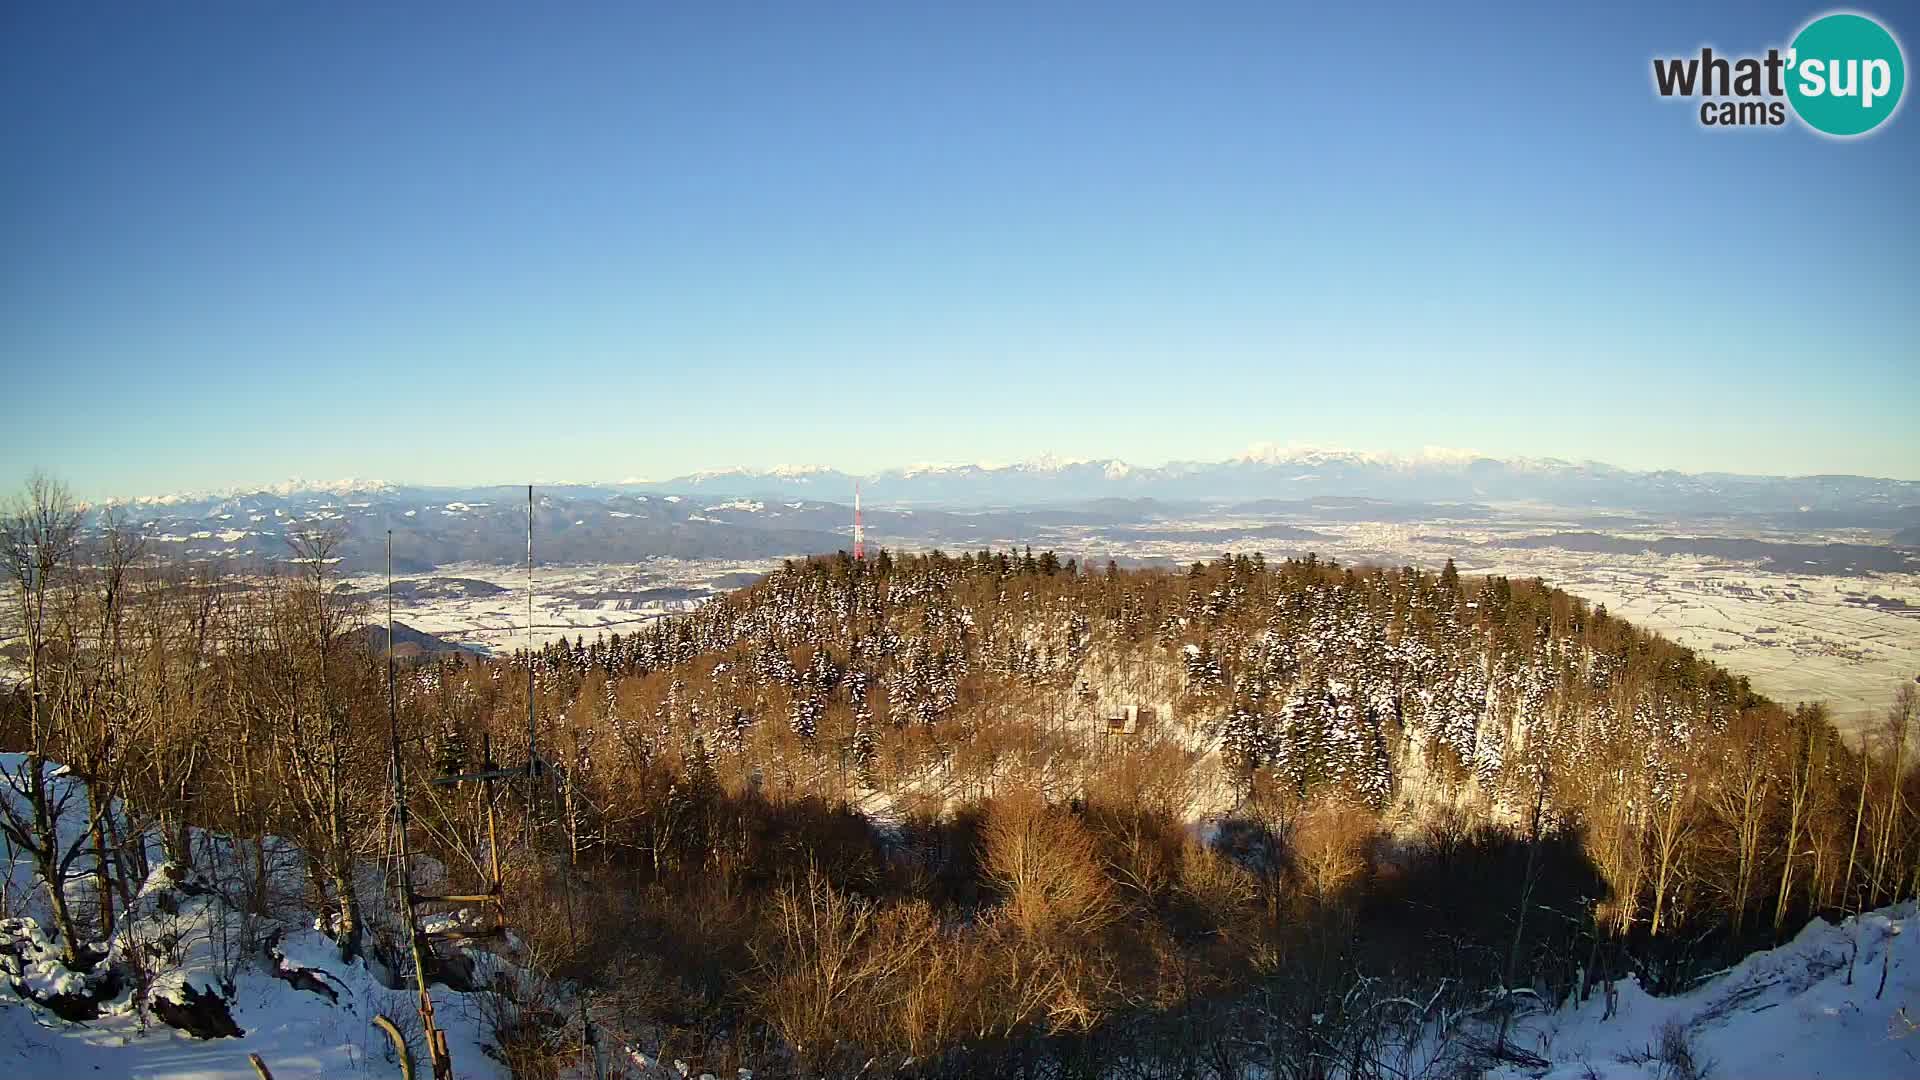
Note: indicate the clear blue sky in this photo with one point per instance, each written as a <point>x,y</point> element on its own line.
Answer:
<point>451,243</point>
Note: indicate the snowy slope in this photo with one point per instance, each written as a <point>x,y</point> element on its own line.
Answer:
<point>298,1033</point>
<point>276,978</point>
<point>1811,1009</point>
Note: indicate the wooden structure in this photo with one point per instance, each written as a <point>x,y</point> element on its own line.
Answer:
<point>1123,720</point>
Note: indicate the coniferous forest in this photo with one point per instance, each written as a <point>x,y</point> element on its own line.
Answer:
<point>984,813</point>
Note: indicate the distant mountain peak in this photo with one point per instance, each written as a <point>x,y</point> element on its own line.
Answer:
<point>1049,463</point>
<point>352,485</point>
<point>800,473</point>
<point>1295,453</point>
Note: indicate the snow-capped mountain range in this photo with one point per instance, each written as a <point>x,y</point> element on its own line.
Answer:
<point>782,511</point>
<point>1264,471</point>
<point>1295,472</point>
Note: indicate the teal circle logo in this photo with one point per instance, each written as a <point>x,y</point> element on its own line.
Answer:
<point>1845,74</point>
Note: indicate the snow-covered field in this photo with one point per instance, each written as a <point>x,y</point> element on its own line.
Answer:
<point>569,601</point>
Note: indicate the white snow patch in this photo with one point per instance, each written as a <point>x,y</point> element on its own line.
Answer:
<point>1810,1008</point>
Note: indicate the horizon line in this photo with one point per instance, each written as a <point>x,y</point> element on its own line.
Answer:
<point>1257,454</point>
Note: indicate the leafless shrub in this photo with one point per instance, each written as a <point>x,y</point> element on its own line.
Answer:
<point>833,960</point>
<point>1672,1055</point>
<point>1155,777</point>
<point>525,1023</point>
<point>1218,888</point>
<point>1329,848</point>
<point>1047,865</point>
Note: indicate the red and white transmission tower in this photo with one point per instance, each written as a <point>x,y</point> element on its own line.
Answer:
<point>859,534</point>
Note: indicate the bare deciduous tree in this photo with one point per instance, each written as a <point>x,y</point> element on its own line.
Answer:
<point>39,539</point>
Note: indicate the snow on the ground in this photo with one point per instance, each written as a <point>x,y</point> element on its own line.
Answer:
<point>199,947</point>
<point>1812,1009</point>
<point>298,1033</point>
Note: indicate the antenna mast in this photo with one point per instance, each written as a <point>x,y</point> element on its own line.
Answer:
<point>532,757</point>
<point>486,775</point>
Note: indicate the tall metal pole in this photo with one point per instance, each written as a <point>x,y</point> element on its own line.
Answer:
<point>531,758</point>
<point>533,750</point>
<point>859,533</point>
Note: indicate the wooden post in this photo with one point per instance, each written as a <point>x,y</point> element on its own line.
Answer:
<point>442,1064</point>
<point>493,837</point>
<point>416,942</point>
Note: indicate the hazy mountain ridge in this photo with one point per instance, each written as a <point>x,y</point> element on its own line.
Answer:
<point>1307,474</point>
<point>1260,474</point>
<point>1263,473</point>
<point>789,510</point>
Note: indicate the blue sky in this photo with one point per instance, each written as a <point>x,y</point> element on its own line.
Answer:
<point>461,243</point>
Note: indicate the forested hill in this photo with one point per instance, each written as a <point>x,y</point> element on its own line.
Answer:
<point>1337,681</point>
<point>1420,704</point>
<point>1419,700</point>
